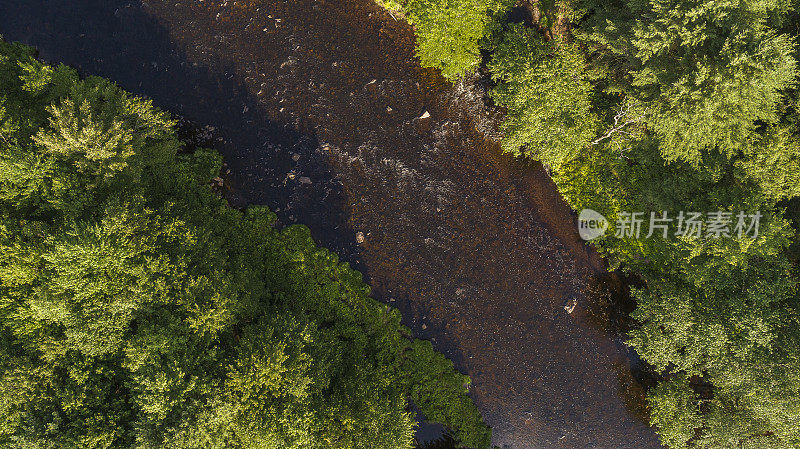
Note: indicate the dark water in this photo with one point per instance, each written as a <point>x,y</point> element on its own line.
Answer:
<point>315,106</point>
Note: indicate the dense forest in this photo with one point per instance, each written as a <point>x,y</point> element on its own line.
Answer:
<point>664,106</point>
<point>138,309</point>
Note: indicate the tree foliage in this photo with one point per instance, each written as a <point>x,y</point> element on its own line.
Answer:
<point>714,82</point>
<point>709,71</point>
<point>450,33</point>
<point>137,309</point>
<point>544,87</point>
<point>666,105</point>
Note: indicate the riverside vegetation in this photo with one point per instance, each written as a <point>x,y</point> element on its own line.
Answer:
<point>138,309</point>
<point>665,105</point>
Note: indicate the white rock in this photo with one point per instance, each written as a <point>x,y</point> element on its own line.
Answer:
<point>426,114</point>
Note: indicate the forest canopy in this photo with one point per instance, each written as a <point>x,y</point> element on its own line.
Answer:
<point>138,309</point>
<point>672,105</point>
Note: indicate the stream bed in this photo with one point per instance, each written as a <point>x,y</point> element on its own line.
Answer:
<point>323,113</point>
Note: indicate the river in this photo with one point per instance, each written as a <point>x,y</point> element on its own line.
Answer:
<point>323,113</point>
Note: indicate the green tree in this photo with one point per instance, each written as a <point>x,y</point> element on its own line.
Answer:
<point>707,71</point>
<point>137,309</point>
<point>543,86</point>
<point>451,33</point>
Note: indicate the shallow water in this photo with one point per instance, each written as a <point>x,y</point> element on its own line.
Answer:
<point>316,107</point>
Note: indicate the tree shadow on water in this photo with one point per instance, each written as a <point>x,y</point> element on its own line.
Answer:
<point>270,163</point>
<point>609,311</point>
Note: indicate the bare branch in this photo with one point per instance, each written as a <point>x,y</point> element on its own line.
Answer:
<point>618,127</point>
